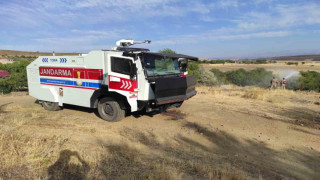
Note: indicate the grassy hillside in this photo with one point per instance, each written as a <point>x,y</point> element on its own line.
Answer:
<point>11,53</point>
<point>313,57</point>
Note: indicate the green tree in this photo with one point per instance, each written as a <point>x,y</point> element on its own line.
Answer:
<point>167,51</point>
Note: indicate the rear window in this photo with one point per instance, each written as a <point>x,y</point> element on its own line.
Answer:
<point>120,65</point>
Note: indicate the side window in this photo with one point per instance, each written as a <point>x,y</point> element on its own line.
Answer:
<point>120,65</point>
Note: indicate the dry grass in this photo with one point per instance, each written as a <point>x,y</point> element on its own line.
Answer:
<point>11,53</point>
<point>277,67</point>
<point>277,96</point>
<point>9,62</point>
<point>273,96</point>
<point>37,144</point>
<point>298,107</point>
<point>23,154</point>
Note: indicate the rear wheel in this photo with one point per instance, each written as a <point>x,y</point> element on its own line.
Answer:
<point>110,110</point>
<point>50,106</point>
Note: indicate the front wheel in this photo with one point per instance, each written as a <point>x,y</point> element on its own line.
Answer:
<point>50,106</point>
<point>110,110</point>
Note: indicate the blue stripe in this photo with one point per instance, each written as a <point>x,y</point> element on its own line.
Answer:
<point>93,85</point>
<point>70,83</point>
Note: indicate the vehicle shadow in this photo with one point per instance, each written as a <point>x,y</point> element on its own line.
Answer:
<point>216,155</point>
<point>65,167</point>
<point>302,116</point>
<point>172,114</point>
<point>2,107</point>
<point>255,156</point>
<point>82,109</point>
<point>200,160</point>
<point>139,114</point>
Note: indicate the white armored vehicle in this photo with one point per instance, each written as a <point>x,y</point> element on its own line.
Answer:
<point>115,81</point>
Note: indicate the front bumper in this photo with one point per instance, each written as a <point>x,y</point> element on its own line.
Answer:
<point>174,89</point>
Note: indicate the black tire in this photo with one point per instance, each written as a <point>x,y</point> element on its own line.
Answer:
<point>50,106</point>
<point>110,110</point>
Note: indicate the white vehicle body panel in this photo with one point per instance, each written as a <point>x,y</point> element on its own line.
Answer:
<point>119,74</point>
<point>77,77</point>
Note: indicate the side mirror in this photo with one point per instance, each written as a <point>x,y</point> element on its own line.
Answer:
<point>133,70</point>
<point>183,64</point>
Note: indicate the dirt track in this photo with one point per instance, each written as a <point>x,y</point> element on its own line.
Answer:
<point>250,137</point>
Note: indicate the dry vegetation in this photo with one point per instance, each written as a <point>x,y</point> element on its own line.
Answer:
<point>222,133</point>
<point>277,67</point>
<point>11,53</point>
<point>303,105</point>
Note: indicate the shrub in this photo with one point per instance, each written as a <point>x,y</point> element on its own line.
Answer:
<point>216,61</point>
<point>258,61</point>
<point>194,69</point>
<point>221,76</point>
<point>292,63</point>
<point>236,77</point>
<point>247,62</point>
<point>17,79</point>
<point>310,80</point>
<point>207,78</point>
<point>261,61</point>
<point>258,77</point>
<point>203,77</point>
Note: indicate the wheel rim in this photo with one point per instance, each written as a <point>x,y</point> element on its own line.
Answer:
<point>48,103</point>
<point>108,110</point>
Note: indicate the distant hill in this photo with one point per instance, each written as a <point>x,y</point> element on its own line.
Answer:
<point>313,57</point>
<point>11,53</point>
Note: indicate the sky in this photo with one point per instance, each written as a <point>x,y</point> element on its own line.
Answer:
<point>203,28</point>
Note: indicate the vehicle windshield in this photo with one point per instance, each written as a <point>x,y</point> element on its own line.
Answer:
<point>157,65</point>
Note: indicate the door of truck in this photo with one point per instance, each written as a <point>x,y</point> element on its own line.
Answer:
<point>119,78</point>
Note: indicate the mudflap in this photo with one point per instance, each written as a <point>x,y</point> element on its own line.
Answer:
<point>174,89</point>
<point>191,86</point>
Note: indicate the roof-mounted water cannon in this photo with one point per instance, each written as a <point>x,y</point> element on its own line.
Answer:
<point>127,43</point>
<point>124,45</point>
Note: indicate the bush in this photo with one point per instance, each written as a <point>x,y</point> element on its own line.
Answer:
<point>221,61</point>
<point>216,61</point>
<point>258,77</point>
<point>310,80</point>
<point>258,61</point>
<point>194,69</point>
<point>247,62</point>
<point>221,76</point>
<point>236,77</point>
<point>261,61</point>
<point>207,78</point>
<point>292,63</point>
<point>18,76</point>
<point>203,77</point>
